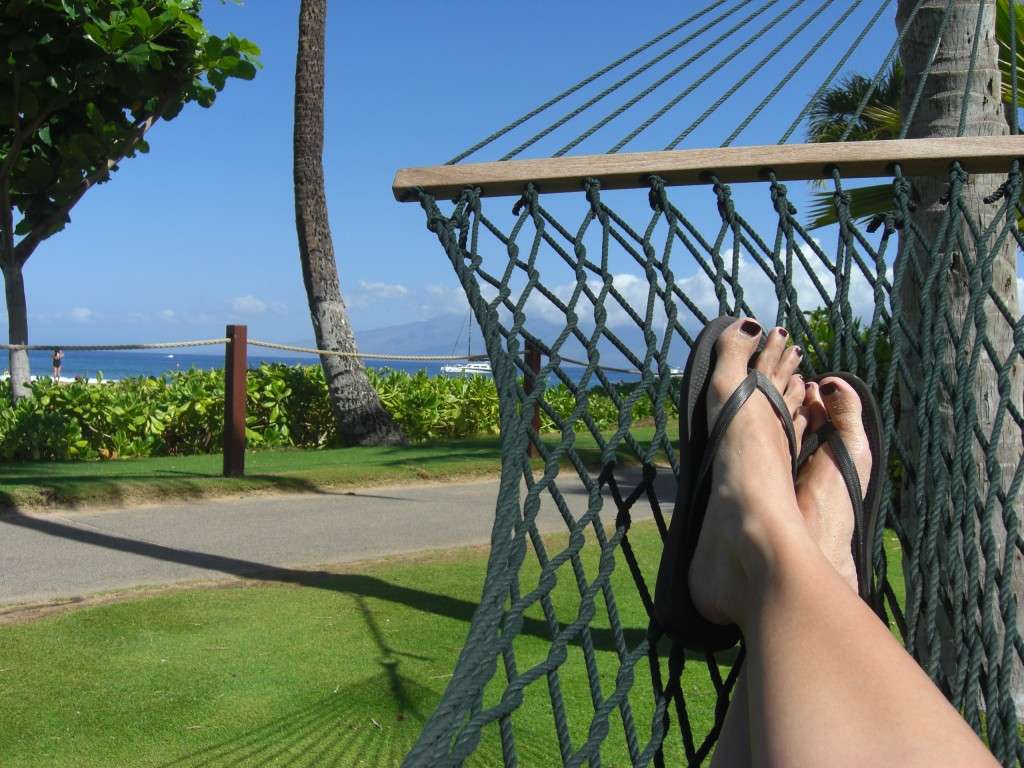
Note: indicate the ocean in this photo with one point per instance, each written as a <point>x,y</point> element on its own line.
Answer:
<point>124,365</point>
<point>112,365</point>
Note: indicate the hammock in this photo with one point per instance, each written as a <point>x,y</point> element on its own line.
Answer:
<point>564,255</point>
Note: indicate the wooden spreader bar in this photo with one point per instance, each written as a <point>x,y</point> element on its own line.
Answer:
<point>854,159</point>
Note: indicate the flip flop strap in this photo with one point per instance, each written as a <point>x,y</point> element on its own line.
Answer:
<point>754,381</point>
<point>848,469</point>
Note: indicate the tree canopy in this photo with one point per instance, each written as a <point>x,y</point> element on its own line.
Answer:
<point>81,83</point>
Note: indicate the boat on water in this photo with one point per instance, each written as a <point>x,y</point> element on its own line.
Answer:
<point>470,367</point>
<point>480,368</point>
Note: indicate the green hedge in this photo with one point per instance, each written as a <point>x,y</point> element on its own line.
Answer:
<point>182,412</point>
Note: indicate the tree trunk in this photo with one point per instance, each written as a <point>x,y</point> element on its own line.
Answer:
<point>959,540</point>
<point>17,327</point>
<point>361,418</point>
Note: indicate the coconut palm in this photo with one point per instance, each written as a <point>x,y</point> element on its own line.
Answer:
<point>361,418</point>
<point>833,117</point>
<point>938,115</point>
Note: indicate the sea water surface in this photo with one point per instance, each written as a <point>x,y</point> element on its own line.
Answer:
<point>113,365</point>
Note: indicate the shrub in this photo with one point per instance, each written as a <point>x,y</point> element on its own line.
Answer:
<point>182,412</point>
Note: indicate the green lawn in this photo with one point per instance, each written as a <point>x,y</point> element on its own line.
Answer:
<point>35,485</point>
<point>335,669</point>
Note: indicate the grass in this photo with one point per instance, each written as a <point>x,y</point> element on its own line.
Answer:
<point>331,669</point>
<point>33,486</point>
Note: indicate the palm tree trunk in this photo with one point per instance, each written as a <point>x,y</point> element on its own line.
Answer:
<point>17,327</point>
<point>357,408</point>
<point>938,115</point>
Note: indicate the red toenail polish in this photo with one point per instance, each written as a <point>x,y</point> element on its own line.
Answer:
<point>799,351</point>
<point>750,328</point>
<point>828,389</point>
<point>783,332</point>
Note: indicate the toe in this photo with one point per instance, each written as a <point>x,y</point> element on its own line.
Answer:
<point>817,415</point>
<point>768,360</point>
<point>801,422</point>
<point>733,349</point>
<point>844,411</point>
<point>794,393</point>
<point>787,366</point>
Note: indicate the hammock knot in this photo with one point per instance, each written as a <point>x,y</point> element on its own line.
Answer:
<point>593,189</point>
<point>957,178</point>
<point>888,220</point>
<point>901,194</point>
<point>529,199</point>
<point>657,196</point>
<point>726,207</point>
<point>780,198</point>
<point>1009,188</point>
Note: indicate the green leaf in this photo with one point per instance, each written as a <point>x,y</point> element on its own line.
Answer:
<point>137,57</point>
<point>140,18</point>
<point>94,33</point>
<point>865,203</point>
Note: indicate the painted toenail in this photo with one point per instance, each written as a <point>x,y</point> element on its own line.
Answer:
<point>828,389</point>
<point>799,351</point>
<point>783,332</point>
<point>750,328</point>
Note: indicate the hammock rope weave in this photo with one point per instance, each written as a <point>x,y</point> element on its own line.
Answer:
<point>570,275</point>
<point>961,506</point>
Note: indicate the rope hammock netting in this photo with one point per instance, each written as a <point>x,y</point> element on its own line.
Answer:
<point>918,298</point>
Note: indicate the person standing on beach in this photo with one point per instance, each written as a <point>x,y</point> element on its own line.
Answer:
<point>58,360</point>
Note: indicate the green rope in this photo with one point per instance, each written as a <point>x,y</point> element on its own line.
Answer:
<point>1015,100</point>
<point>971,68</point>
<point>835,71</point>
<point>672,73</point>
<point>582,84</point>
<point>705,77</point>
<point>813,49</point>
<point>923,79</point>
<point>949,496</point>
<point>883,67</point>
<point>746,77</point>
<point>616,85</point>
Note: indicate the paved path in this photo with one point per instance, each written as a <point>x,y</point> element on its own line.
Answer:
<point>64,555</point>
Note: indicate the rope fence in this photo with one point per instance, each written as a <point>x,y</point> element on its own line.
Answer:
<point>281,347</point>
<point>225,340</point>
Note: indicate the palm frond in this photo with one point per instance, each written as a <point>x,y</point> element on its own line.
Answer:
<point>865,204</point>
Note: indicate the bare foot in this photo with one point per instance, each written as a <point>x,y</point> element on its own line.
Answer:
<point>752,494</point>
<point>820,490</point>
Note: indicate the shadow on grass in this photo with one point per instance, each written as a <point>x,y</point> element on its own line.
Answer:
<point>336,730</point>
<point>347,583</point>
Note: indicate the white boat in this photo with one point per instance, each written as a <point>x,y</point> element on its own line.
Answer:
<point>470,367</point>
<point>467,369</point>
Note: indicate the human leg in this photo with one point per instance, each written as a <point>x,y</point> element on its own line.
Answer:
<point>827,683</point>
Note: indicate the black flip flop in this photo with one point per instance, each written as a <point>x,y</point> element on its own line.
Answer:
<point>674,610</point>
<point>865,505</point>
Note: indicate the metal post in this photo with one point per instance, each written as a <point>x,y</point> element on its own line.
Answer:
<point>235,366</point>
<point>529,382</point>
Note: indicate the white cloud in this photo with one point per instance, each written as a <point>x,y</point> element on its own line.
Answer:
<point>434,300</point>
<point>248,305</point>
<point>383,290</point>
<point>81,314</point>
<point>167,314</point>
<point>758,293</point>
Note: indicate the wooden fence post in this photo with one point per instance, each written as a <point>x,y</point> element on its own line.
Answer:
<point>235,366</point>
<point>529,382</point>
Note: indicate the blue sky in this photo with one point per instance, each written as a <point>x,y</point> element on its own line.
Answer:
<point>201,232</point>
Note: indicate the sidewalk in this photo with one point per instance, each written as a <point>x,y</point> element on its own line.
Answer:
<point>66,555</point>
